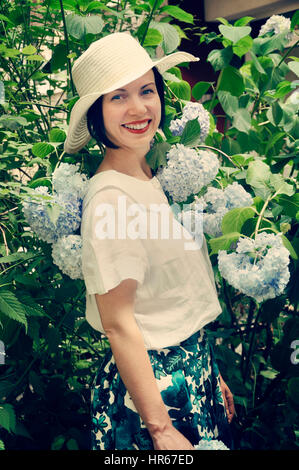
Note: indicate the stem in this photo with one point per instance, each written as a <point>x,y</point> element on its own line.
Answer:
<point>287,53</point>
<point>215,92</point>
<point>67,47</point>
<point>251,347</point>
<point>122,21</point>
<point>148,22</point>
<point>220,151</point>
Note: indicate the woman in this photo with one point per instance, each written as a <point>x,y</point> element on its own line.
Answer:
<point>159,386</point>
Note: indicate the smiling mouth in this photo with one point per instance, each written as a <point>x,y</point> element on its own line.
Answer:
<point>138,127</point>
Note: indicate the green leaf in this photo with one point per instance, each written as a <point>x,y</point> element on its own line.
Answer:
<point>6,19</point>
<point>220,58</point>
<point>59,58</point>
<point>181,89</point>
<point>257,64</point>
<point>29,50</point>
<point>289,247</point>
<point>264,45</point>
<point>242,46</point>
<point>200,89</point>
<point>295,20</point>
<point>12,122</point>
<point>234,33</point>
<point>224,242</point>
<point>171,38</point>
<point>57,135</point>
<point>228,102</point>
<point>231,80</point>
<point>290,204</point>
<point>276,112</point>
<point>243,21</point>
<point>58,442</point>
<point>11,307</point>
<point>7,417</point>
<point>269,374</point>
<point>235,218</point>
<point>153,38</point>
<point>72,444</point>
<point>35,58</point>
<point>242,120</point>
<point>78,26</point>
<point>258,176</point>
<point>294,67</point>
<point>178,13</point>
<point>42,149</point>
<point>191,133</point>
<point>280,186</point>
<point>157,155</point>
<point>223,20</point>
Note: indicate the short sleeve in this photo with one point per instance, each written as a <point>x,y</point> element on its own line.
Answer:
<point>110,253</point>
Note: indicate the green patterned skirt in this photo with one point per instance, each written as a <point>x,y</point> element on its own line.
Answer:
<point>188,379</point>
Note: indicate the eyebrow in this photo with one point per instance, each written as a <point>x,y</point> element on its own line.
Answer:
<point>144,86</point>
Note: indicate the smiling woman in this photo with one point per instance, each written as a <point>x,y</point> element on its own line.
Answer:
<point>95,121</point>
<point>159,385</point>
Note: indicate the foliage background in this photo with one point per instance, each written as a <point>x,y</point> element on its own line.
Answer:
<point>51,352</point>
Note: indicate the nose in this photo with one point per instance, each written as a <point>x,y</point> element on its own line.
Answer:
<point>136,106</point>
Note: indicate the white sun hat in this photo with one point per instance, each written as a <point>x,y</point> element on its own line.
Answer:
<point>108,64</point>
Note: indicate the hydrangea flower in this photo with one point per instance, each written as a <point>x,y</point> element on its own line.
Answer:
<point>37,216</point>
<point>192,111</point>
<point>187,171</point>
<point>210,444</point>
<point>277,24</point>
<point>67,178</point>
<point>67,255</point>
<point>258,268</point>
<point>217,202</point>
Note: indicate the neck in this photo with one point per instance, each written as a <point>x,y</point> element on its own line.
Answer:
<point>129,161</point>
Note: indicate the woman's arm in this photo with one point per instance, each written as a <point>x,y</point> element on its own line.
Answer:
<point>116,308</point>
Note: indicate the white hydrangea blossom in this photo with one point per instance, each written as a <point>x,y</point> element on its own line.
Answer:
<point>210,444</point>
<point>192,111</point>
<point>187,171</point>
<point>67,255</point>
<point>277,24</point>
<point>67,178</point>
<point>258,268</point>
<point>217,202</point>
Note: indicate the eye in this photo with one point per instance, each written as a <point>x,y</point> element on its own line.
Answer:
<point>116,97</point>
<point>147,91</point>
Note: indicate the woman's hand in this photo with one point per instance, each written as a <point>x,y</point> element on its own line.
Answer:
<point>170,439</point>
<point>228,400</point>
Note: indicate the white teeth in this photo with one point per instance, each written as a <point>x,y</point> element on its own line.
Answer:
<point>136,126</point>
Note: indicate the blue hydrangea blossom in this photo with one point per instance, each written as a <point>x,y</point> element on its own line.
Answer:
<point>67,178</point>
<point>217,202</point>
<point>37,216</point>
<point>67,255</point>
<point>258,268</point>
<point>192,111</point>
<point>187,171</point>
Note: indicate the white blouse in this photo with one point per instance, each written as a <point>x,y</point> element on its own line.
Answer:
<point>129,230</point>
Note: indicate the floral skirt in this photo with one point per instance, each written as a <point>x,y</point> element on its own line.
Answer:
<point>188,379</point>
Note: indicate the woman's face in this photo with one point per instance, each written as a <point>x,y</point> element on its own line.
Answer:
<point>132,114</point>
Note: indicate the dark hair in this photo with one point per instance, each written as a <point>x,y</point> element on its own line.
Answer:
<point>95,121</point>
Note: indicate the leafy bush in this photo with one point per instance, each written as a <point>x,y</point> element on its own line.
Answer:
<point>51,353</point>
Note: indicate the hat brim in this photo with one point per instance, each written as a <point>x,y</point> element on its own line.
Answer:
<point>78,135</point>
